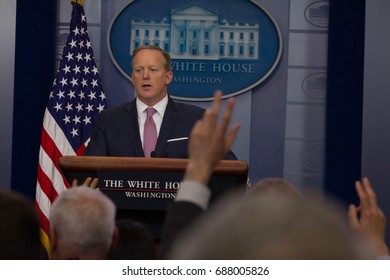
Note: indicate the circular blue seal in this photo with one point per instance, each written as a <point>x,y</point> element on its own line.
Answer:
<point>212,45</point>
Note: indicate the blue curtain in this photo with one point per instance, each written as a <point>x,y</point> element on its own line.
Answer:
<point>34,73</point>
<point>344,101</point>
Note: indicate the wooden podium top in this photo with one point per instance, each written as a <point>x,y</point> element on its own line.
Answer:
<point>92,163</point>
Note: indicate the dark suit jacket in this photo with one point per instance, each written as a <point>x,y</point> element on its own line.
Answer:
<point>180,215</point>
<point>116,132</point>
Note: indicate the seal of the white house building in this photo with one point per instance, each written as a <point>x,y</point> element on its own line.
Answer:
<point>212,45</point>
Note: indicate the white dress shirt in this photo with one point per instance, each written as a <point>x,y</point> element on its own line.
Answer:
<point>157,117</point>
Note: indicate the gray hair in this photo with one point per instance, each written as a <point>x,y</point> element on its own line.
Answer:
<point>83,217</point>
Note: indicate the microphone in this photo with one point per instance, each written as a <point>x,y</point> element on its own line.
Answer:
<point>164,153</point>
<point>153,154</point>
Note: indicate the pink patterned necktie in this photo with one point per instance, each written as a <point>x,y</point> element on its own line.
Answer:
<point>150,132</point>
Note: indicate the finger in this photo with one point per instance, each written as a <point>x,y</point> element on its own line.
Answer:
<point>210,117</point>
<point>196,129</point>
<point>87,181</point>
<point>370,193</point>
<point>94,183</point>
<point>381,213</point>
<point>363,198</point>
<point>74,183</point>
<point>227,115</point>
<point>231,136</point>
<point>217,101</point>
<point>353,216</point>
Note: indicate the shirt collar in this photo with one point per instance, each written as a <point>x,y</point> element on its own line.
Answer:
<point>159,107</point>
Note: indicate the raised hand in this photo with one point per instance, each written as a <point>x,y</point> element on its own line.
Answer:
<point>210,141</point>
<point>368,219</point>
<point>89,182</point>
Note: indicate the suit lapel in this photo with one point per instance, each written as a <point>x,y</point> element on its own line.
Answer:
<point>171,116</point>
<point>130,118</point>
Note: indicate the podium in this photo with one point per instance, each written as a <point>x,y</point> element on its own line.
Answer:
<point>143,188</point>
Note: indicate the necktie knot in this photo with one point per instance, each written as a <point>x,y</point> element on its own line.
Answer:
<point>150,111</point>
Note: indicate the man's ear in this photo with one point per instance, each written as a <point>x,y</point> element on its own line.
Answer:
<point>53,244</point>
<point>115,237</point>
<point>169,77</point>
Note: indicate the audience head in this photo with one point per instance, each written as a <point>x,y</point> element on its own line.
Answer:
<point>82,222</point>
<point>274,184</point>
<point>135,242</point>
<point>270,226</point>
<point>19,228</point>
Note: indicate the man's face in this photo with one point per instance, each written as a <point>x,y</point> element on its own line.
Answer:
<point>149,76</point>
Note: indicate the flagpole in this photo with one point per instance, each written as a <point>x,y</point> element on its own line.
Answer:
<point>80,2</point>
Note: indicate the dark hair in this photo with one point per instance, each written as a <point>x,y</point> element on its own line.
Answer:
<point>166,55</point>
<point>135,242</point>
<point>19,228</point>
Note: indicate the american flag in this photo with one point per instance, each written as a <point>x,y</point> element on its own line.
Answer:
<point>75,101</point>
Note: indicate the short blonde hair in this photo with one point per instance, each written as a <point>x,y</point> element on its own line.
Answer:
<point>167,57</point>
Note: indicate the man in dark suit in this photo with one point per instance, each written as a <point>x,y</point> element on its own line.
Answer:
<point>119,131</point>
